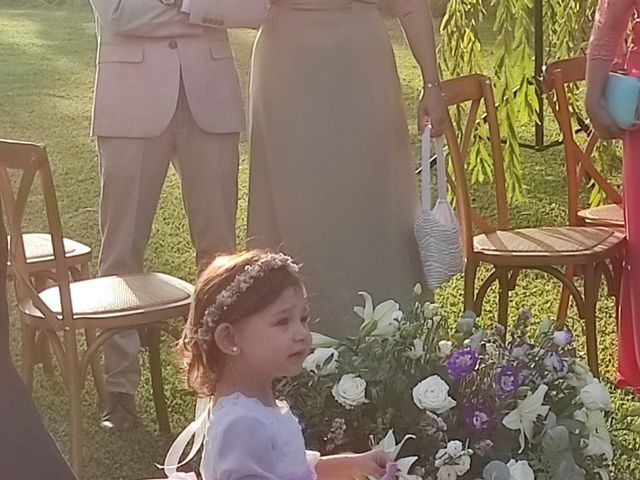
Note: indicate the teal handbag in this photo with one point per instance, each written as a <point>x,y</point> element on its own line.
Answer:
<point>621,97</point>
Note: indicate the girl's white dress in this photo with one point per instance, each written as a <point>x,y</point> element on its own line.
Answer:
<point>247,440</point>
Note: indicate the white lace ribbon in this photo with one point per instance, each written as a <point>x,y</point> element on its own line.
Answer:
<point>196,429</point>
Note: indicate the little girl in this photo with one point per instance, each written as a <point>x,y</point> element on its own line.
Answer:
<point>249,324</point>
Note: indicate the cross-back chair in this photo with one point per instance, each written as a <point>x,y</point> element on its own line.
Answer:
<point>558,78</point>
<point>102,306</point>
<point>38,249</point>
<point>494,242</point>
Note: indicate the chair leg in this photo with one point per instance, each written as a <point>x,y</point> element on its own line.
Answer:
<point>503,298</point>
<point>96,368</point>
<point>28,353</point>
<point>74,385</point>
<point>565,298</point>
<point>591,287</point>
<point>155,365</point>
<point>470,272</point>
<point>44,353</point>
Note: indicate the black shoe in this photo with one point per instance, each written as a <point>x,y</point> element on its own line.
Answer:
<point>120,413</point>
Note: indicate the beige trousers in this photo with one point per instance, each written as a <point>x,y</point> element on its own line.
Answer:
<point>132,172</point>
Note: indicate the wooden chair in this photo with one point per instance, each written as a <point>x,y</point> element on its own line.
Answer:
<point>580,167</point>
<point>38,249</point>
<point>509,251</point>
<point>101,306</point>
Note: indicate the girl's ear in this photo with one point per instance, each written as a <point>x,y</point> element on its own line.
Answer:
<point>226,339</point>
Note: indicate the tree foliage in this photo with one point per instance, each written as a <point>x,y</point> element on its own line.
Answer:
<point>566,29</point>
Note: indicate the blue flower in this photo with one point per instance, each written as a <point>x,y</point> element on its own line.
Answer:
<point>462,363</point>
<point>507,381</point>
<point>479,418</point>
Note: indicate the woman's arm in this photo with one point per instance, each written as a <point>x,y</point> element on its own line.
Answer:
<point>417,23</point>
<point>607,38</point>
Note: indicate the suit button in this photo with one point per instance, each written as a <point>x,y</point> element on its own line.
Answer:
<point>173,44</point>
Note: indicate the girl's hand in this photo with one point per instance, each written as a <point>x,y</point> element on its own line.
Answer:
<point>372,463</point>
<point>432,110</point>
<point>601,121</point>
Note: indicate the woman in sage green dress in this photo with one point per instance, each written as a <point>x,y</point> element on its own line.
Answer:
<point>332,178</point>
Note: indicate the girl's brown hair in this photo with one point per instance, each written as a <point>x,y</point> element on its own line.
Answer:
<point>202,359</point>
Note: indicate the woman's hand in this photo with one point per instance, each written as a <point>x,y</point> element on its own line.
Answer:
<point>432,110</point>
<point>601,121</point>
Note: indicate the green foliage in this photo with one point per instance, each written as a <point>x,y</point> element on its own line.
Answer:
<point>566,29</point>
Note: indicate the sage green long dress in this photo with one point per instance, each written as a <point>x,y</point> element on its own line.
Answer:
<point>332,180</point>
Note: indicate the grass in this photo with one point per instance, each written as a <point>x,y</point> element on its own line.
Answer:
<point>47,59</point>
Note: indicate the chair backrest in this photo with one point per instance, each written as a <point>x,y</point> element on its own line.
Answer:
<point>24,162</point>
<point>469,95</point>
<point>558,77</point>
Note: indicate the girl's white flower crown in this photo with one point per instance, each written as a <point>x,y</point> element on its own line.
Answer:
<point>240,284</point>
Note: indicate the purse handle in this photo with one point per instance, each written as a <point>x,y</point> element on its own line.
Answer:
<point>426,168</point>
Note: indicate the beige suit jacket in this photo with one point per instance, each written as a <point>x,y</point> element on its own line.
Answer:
<point>144,47</point>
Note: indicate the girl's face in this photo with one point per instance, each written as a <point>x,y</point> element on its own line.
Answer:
<point>274,342</point>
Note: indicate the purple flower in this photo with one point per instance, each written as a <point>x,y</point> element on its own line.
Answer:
<point>507,380</point>
<point>462,363</point>
<point>478,418</point>
<point>554,362</point>
<point>562,338</point>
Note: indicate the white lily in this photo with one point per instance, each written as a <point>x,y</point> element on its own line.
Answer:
<point>389,446</point>
<point>404,464</point>
<point>525,414</point>
<point>417,350</point>
<point>381,320</point>
<point>322,341</point>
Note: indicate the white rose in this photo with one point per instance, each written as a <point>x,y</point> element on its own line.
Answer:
<point>444,348</point>
<point>433,394</point>
<point>454,448</point>
<point>520,470</point>
<point>417,289</point>
<point>316,362</point>
<point>350,391</point>
<point>595,396</point>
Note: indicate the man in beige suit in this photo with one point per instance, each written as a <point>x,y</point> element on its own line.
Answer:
<point>166,91</point>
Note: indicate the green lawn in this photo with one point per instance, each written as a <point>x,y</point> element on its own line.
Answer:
<point>46,81</point>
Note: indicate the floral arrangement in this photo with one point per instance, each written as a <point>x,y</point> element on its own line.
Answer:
<point>467,405</point>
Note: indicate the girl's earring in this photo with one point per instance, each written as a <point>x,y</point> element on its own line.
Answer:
<point>235,349</point>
